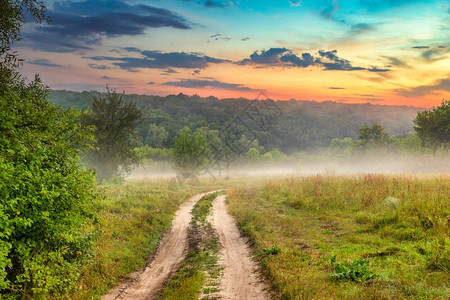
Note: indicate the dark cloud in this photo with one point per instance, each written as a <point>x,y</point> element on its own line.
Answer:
<point>170,71</point>
<point>219,36</point>
<point>45,63</point>
<point>285,57</point>
<point>421,47</point>
<point>245,39</point>
<point>331,61</point>
<point>197,83</point>
<point>106,77</point>
<point>336,88</point>
<point>76,26</point>
<point>150,83</point>
<point>157,60</point>
<point>99,67</point>
<point>361,27</point>
<point>419,91</point>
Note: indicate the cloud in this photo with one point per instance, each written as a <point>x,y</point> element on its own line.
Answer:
<point>286,58</point>
<point>151,59</point>
<point>219,36</point>
<point>197,83</point>
<point>329,10</point>
<point>295,3</point>
<point>106,77</point>
<point>336,88</point>
<point>45,63</point>
<point>150,83</point>
<point>423,90</point>
<point>170,71</point>
<point>99,67</point>
<point>245,39</point>
<point>421,47</point>
<point>394,61</point>
<point>213,4</point>
<point>435,54</point>
<point>77,26</point>
<point>361,27</point>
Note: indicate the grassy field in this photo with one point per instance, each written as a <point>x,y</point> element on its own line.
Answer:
<point>365,237</point>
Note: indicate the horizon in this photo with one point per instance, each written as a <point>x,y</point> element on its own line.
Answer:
<point>393,53</point>
<point>244,98</point>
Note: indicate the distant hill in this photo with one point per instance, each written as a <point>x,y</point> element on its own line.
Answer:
<point>286,125</point>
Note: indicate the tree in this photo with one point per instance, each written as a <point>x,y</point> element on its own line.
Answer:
<point>115,123</point>
<point>11,21</point>
<point>190,153</point>
<point>433,126</point>
<point>46,215</point>
<point>374,135</point>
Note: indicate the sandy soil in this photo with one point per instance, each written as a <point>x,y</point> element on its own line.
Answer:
<point>147,283</point>
<point>240,278</point>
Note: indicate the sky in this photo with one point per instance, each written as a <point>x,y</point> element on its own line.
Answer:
<point>390,52</point>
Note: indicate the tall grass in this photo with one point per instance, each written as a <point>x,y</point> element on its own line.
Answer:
<point>395,227</point>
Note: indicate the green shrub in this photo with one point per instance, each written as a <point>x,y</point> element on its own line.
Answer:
<point>46,221</point>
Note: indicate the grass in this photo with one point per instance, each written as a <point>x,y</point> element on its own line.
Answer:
<point>337,237</point>
<point>201,261</point>
<point>133,218</point>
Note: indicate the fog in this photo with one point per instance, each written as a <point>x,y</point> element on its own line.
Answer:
<point>312,165</point>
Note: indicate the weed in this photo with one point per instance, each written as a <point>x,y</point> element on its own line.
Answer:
<point>356,270</point>
<point>271,251</point>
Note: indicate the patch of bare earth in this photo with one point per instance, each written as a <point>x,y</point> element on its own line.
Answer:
<point>240,279</point>
<point>147,283</point>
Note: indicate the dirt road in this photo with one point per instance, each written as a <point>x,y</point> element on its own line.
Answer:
<point>239,280</point>
<point>171,252</point>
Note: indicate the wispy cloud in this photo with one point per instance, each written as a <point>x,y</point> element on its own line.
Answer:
<point>295,2</point>
<point>45,63</point>
<point>423,90</point>
<point>198,83</point>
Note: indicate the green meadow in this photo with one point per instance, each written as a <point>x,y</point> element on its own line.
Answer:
<point>350,237</point>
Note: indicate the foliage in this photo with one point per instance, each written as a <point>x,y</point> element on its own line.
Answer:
<point>115,123</point>
<point>190,153</point>
<point>374,135</point>
<point>11,21</point>
<point>355,270</point>
<point>304,125</point>
<point>433,126</point>
<point>46,228</point>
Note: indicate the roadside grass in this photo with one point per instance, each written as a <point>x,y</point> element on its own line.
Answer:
<point>200,264</point>
<point>133,218</point>
<point>341,237</point>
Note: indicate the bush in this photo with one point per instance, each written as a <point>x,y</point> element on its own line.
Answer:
<point>47,222</point>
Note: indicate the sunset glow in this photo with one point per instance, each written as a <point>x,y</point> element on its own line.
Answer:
<point>352,51</point>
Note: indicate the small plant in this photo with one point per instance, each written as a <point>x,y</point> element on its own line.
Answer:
<point>355,270</point>
<point>272,251</point>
